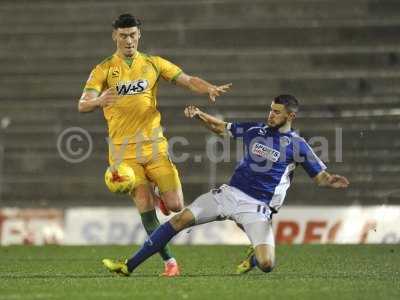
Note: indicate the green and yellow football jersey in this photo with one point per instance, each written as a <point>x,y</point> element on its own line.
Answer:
<point>134,117</point>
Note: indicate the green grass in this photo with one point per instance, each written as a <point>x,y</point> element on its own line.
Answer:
<point>303,272</point>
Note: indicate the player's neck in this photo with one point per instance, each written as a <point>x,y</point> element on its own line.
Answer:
<point>285,128</point>
<point>124,57</point>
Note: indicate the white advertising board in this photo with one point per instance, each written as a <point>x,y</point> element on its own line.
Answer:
<point>86,226</point>
<point>293,225</point>
<point>108,225</point>
<point>31,226</point>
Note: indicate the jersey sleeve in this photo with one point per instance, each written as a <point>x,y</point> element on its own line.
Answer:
<point>237,130</point>
<point>311,163</point>
<point>96,81</point>
<point>167,69</point>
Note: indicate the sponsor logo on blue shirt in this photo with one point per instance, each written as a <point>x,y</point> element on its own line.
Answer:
<point>265,152</point>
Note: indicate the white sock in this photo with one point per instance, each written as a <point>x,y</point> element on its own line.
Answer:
<point>169,261</point>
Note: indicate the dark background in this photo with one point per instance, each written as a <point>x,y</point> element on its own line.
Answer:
<point>340,58</point>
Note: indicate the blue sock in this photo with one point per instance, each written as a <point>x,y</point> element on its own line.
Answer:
<point>156,241</point>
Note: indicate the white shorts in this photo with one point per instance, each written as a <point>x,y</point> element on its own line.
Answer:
<point>230,203</point>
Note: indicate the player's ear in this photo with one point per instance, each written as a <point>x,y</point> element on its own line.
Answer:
<point>114,35</point>
<point>139,33</point>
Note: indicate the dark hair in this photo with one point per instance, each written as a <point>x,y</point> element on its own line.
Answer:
<point>126,21</point>
<point>290,102</point>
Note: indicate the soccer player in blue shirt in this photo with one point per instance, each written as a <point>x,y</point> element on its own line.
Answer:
<point>256,190</point>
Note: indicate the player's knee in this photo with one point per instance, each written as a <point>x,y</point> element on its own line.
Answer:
<point>266,265</point>
<point>173,201</point>
<point>175,206</point>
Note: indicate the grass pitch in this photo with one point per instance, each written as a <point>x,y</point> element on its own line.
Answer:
<point>303,272</point>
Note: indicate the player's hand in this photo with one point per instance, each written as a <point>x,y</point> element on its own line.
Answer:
<point>215,91</point>
<point>109,97</point>
<point>191,111</point>
<point>338,182</point>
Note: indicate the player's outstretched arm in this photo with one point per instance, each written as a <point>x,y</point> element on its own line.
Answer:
<point>325,179</point>
<point>201,86</point>
<point>91,100</point>
<point>212,123</point>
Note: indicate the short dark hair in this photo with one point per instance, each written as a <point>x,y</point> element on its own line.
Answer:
<point>126,21</point>
<point>290,102</point>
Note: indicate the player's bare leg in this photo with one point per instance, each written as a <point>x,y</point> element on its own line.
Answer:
<point>262,256</point>
<point>173,200</point>
<point>265,256</point>
<point>168,201</point>
<point>159,202</point>
<point>182,220</point>
<point>144,200</point>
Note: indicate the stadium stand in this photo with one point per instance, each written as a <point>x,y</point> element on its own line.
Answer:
<point>340,58</point>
